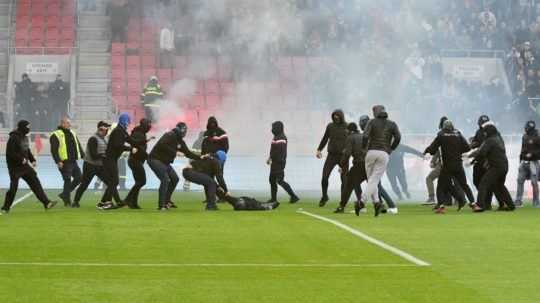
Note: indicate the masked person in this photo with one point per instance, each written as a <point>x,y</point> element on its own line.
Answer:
<point>206,171</point>
<point>335,136</point>
<point>246,203</point>
<point>161,158</point>
<point>381,137</point>
<point>493,153</point>
<point>137,157</point>
<point>528,166</point>
<point>479,169</point>
<point>277,162</point>
<point>452,145</point>
<point>66,150</point>
<point>215,138</point>
<point>21,165</point>
<point>118,143</point>
<point>96,148</point>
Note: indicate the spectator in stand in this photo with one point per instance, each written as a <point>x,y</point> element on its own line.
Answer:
<point>118,11</point>
<point>488,22</point>
<point>25,95</point>
<point>166,46</point>
<point>59,95</point>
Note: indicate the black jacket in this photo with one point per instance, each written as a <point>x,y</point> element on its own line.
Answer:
<point>530,144</point>
<point>381,134</point>
<point>335,135</point>
<point>493,151</point>
<point>117,143</point>
<point>278,153</point>
<point>18,149</point>
<point>452,145</point>
<point>212,168</point>
<point>168,145</point>
<point>139,141</point>
<point>354,148</point>
<point>215,138</point>
<point>478,139</point>
<point>71,145</point>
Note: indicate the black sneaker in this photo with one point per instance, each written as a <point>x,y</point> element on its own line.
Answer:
<point>171,204</point>
<point>50,205</point>
<point>211,207</point>
<point>75,205</point>
<point>339,210</point>
<point>323,201</point>
<point>121,204</point>
<point>378,207</point>
<point>294,199</point>
<point>275,205</point>
<point>64,199</point>
<point>358,206</point>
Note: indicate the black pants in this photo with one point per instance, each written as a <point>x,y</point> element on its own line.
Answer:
<point>210,185</point>
<point>278,177</point>
<point>29,175</point>
<point>137,168</point>
<point>71,174</point>
<point>246,203</point>
<point>395,174</point>
<point>168,180</point>
<point>493,182</point>
<point>478,173</point>
<point>383,195</point>
<point>355,176</point>
<point>110,173</point>
<point>332,160</point>
<point>451,177</point>
<point>89,172</point>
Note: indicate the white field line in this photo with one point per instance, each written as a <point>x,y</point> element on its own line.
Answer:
<point>172,265</point>
<point>371,240</point>
<point>26,196</point>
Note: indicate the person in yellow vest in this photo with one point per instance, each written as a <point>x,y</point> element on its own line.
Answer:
<point>151,93</point>
<point>66,150</point>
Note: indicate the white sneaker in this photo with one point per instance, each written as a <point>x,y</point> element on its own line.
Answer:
<point>392,211</point>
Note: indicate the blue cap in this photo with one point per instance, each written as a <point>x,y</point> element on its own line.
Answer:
<point>124,120</point>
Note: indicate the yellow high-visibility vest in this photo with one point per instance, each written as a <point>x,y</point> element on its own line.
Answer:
<point>62,147</point>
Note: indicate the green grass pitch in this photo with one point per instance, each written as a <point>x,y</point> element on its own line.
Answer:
<point>85,255</point>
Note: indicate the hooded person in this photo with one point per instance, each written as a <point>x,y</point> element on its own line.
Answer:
<point>246,203</point>
<point>335,137</point>
<point>21,165</point>
<point>215,138</point>
<point>277,161</point>
<point>93,160</point>
<point>493,153</point>
<point>479,169</point>
<point>137,156</point>
<point>381,137</point>
<point>161,158</point>
<point>119,142</point>
<point>208,172</point>
<point>528,163</point>
<point>452,146</point>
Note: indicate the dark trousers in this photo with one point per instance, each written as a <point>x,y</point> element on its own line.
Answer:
<point>451,177</point>
<point>355,176</point>
<point>71,174</point>
<point>383,195</point>
<point>89,172</point>
<point>278,178</point>
<point>168,180</point>
<point>137,168</point>
<point>395,174</point>
<point>493,182</point>
<point>110,173</point>
<point>478,173</point>
<point>30,177</point>
<point>247,204</point>
<point>210,185</point>
<point>332,160</point>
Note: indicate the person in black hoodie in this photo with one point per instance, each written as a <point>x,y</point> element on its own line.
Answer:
<point>245,203</point>
<point>137,157</point>
<point>162,156</point>
<point>215,138</point>
<point>206,171</point>
<point>277,162</point>
<point>479,168</point>
<point>335,136</point>
<point>452,145</point>
<point>21,164</point>
<point>493,152</point>
<point>529,160</point>
<point>66,150</point>
<point>381,138</point>
<point>117,145</point>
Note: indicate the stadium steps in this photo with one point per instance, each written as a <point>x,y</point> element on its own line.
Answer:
<point>93,78</point>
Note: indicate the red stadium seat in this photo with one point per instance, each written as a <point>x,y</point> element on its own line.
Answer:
<point>133,35</point>
<point>39,9</point>
<point>164,75</point>
<point>133,63</point>
<point>23,10</point>
<point>36,42</point>
<point>134,85</point>
<point>66,42</point>
<point>147,73</point>
<point>133,45</point>
<point>134,100</point>
<point>23,22</point>
<point>53,10</point>
<point>212,87</point>
<point>148,62</point>
<point>51,41</point>
<point>134,74</point>
<point>118,48</point>
<point>68,21</point>
<point>53,21</point>
<point>148,49</point>
<point>118,75</point>
<point>29,51</point>
<point>21,42</point>
<point>120,100</point>
<point>22,34</point>
<point>118,62</point>
<point>38,21</point>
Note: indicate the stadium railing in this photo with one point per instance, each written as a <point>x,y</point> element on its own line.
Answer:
<point>473,53</point>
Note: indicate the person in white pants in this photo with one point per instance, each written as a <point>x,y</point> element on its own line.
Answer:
<point>381,137</point>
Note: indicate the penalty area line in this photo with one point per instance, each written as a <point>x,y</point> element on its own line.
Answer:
<point>172,265</point>
<point>359,234</point>
<point>24,197</point>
